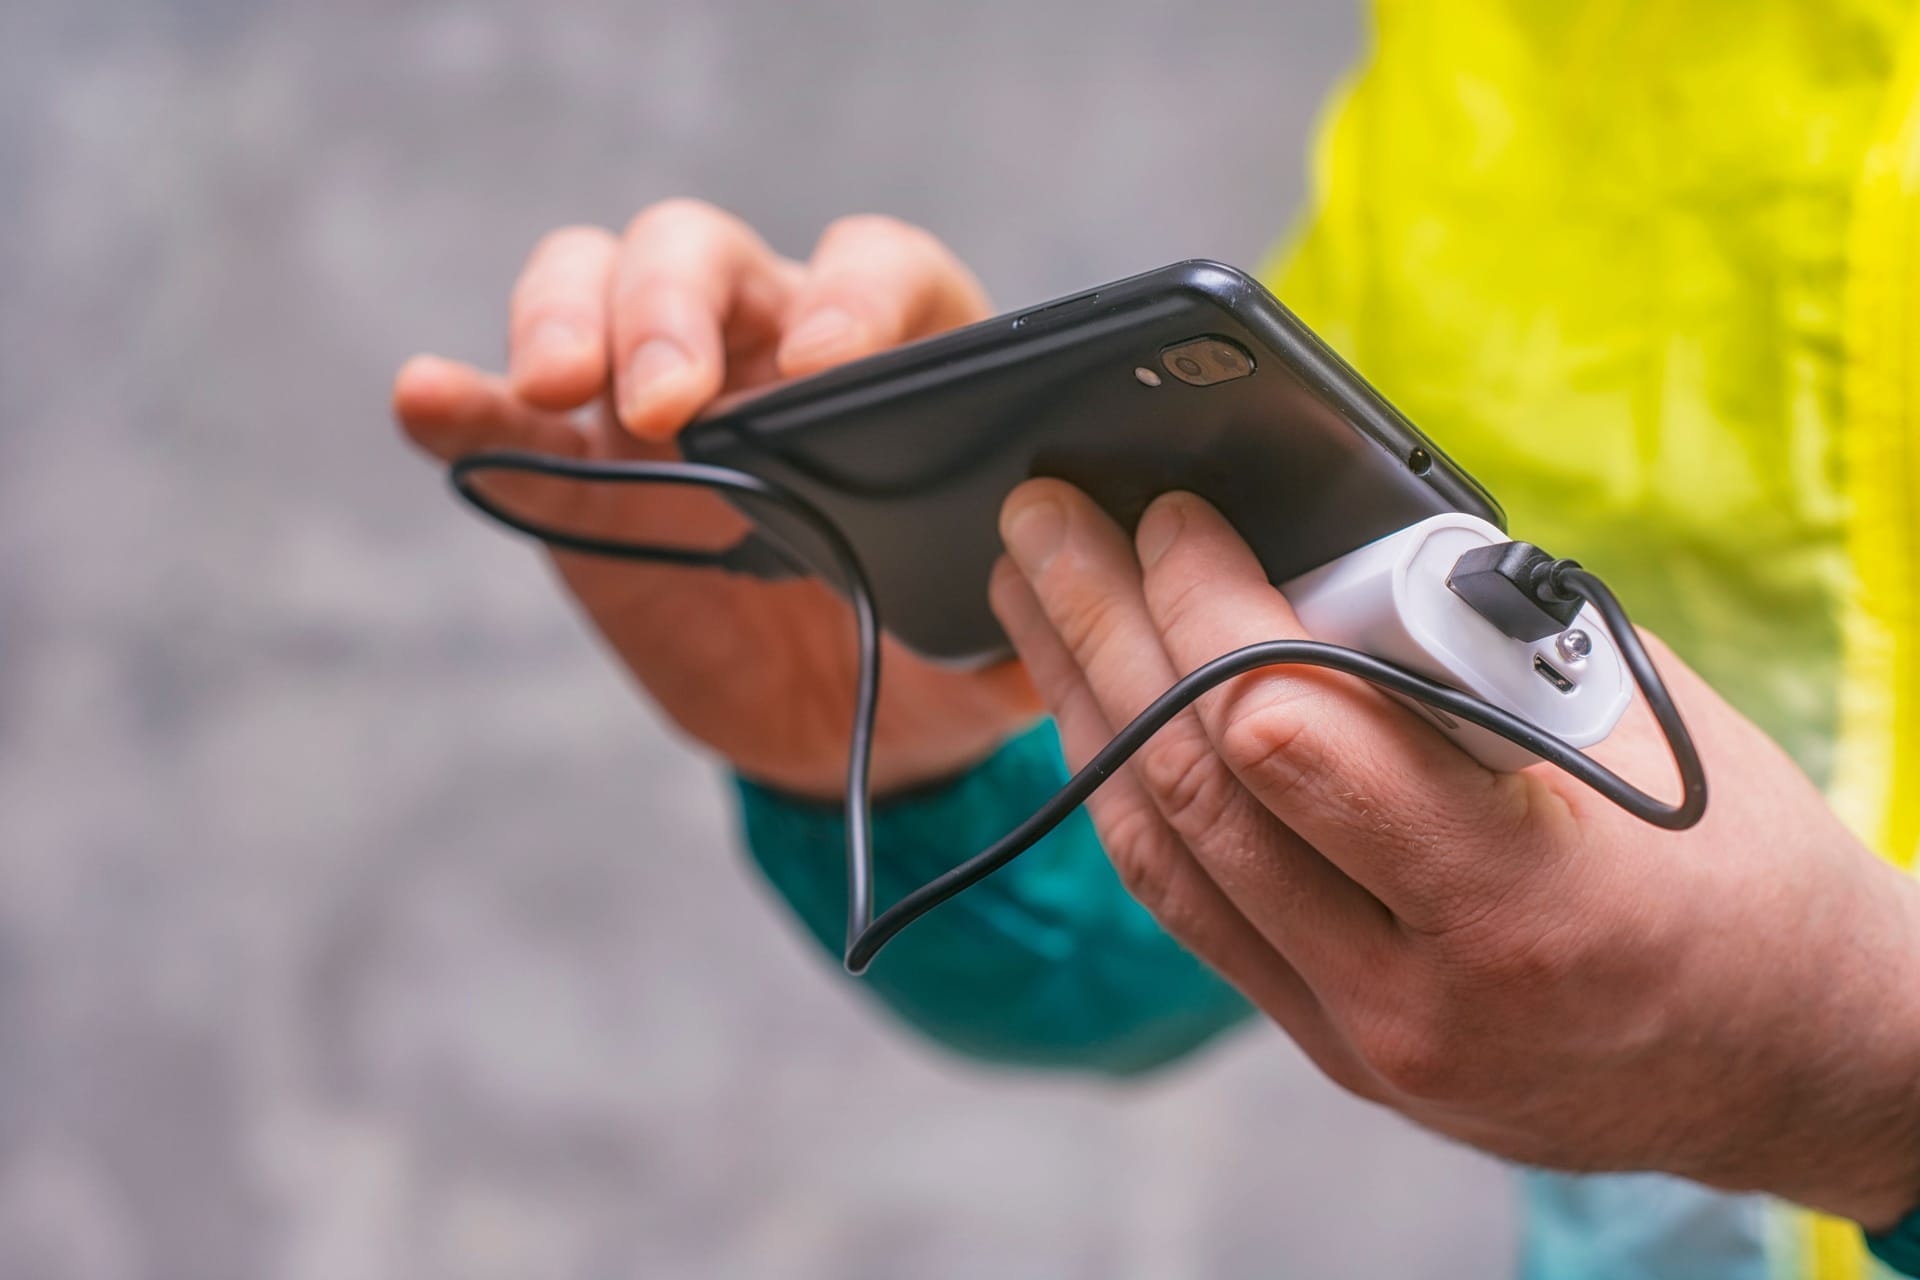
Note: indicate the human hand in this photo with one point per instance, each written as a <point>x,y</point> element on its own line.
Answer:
<point>615,344</point>
<point>1506,959</point>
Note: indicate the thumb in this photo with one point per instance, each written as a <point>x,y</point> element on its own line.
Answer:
<point>451,409</point>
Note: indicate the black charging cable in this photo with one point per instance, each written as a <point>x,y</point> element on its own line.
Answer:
<point>868,933</point>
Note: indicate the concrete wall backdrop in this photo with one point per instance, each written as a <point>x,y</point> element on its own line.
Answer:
<point>356,920</point>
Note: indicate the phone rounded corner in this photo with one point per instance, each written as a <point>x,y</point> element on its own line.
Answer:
<point>1220,283</point>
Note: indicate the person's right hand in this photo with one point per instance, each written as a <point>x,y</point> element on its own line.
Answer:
<point>615,343</point>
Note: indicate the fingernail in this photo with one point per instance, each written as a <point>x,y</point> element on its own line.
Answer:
<point>1159,527</point>
<point>1034,533</point>
<point>657,361</point>
<point>820,335</point>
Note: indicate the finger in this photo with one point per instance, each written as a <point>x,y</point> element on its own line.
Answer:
<point>1156,867</point>
<point>1083,571</point>
<point>1398,807</point>
<point>451,409</point>
<point>874,282</point>
<point>557,327</point>
<point>686,271</point>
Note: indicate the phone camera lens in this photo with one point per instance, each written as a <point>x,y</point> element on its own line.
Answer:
<point>1206,360</point>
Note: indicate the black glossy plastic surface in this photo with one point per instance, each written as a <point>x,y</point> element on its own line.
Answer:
<point>912,451</point>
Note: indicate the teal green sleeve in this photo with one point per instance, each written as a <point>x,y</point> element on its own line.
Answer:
<point>1900,1247</point>
<point>1046,963</point>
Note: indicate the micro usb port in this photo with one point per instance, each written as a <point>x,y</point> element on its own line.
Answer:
<point>1551,674</point>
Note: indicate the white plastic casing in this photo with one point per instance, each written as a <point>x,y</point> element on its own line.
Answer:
<point>1390,598</point>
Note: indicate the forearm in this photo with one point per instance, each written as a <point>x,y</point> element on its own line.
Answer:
<point>1047,963</point>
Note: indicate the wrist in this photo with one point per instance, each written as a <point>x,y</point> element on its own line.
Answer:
<point>1871,1151</point>
<point>1813,1094</point>
<point>1898,1195</point>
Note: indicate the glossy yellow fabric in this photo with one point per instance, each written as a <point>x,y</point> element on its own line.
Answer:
<point>1877,783</point>
<point>1880,738</point>
<point>1651,271</point>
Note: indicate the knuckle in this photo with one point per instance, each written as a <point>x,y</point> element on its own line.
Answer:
<point>1180,595</point>
<point>672,213</point>
<point>534,302</point>
<point>1134,841</point>
<point>1345,1070</point>
<point>1189,782</point>
<point>1495,958</point>
<point>675,215</point>
<point>869,227</point>
<point>546,284</point>
<point>1476,898</point>
<point>1087,619</point>
<point>1157,874</point>
<point>1415,1056</point>
<point>1178,909</point>
<point>1271,739</point>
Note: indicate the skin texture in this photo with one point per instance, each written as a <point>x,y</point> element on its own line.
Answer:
<point>1505,959</point>
<point>615,343</point>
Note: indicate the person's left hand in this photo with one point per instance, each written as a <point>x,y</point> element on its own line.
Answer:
<point>1507,959</point>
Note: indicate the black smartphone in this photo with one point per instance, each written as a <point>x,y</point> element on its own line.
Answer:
<point>1189,377</point>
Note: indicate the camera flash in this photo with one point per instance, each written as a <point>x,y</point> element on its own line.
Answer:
<point>1148,377</point>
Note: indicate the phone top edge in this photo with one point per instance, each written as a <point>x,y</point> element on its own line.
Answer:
<point>1217,282</point>
<point>1237,293</point>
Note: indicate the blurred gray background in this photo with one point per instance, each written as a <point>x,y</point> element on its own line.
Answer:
<point>356,920</point>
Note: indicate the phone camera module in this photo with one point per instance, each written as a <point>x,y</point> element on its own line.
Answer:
<point>1201,362</point>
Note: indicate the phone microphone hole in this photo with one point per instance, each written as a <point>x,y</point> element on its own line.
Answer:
<point>1420,462</point>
